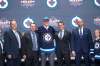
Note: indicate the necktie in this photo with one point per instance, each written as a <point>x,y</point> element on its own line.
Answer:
<point>34,41</point>
<point>60,36</point>
<point>80,32</point>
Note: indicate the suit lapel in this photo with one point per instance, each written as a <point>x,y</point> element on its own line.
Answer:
<point>30,37</point>
<point>13,35</point>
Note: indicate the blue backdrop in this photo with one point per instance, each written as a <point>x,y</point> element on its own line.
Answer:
<point>88,11</point>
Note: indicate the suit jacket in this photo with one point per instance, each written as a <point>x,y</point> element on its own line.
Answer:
<point>11,45</point>
<point>1,49</point>
<point>84,42</point>
<point>64,43</point>
<point>28,45</point>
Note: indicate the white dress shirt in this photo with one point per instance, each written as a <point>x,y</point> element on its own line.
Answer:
<point>18,38</point>
<point>61,34</point>
<point>81,31</point>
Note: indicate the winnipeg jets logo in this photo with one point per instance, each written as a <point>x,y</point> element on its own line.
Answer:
<point>51,3</point>
<point>74,20</point>
<point>97,2</point>
<point>47,37</point>
<point>27,22</point>
<point>97,45</point>
<point>3,4</point>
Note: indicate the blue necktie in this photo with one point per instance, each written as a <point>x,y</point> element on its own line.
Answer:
<point>34,41</point>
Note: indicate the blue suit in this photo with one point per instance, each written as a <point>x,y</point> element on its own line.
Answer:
<point>82,44</point>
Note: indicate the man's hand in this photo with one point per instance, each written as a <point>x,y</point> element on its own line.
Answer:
<point>24,56</point>
<point>9,56</point>
<point>73,53</point>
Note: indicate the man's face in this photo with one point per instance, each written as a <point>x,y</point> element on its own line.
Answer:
<point>61,26</point>
<point>33,27</point>
<point>13,25</point>
<point>46,23</point>
<point>97,33</point>
<point>80,23</point>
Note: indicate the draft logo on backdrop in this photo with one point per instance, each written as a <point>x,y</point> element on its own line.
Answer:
<point>97,21</point>
<point>4,23</point>
<point>76,2</point>
<point>3,4</point>
<point>51,3</point>
<point>27,3</point>
<point>53,21</point>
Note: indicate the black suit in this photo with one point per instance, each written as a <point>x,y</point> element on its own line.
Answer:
<point>11,47</point>
<point>82,44</point>
<point>1,54</point>
<point>63,47</point>
<point>31,55</point>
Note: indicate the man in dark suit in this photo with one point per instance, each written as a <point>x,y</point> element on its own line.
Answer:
<point>31,46</point>
<point>81,43</point>
<point>1,54</point>
<point>1,47</point>
<point>12,44</point>
<point>62,38</point>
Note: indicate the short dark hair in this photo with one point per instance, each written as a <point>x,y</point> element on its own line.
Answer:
<point>61,22</point>
<point>12,20</point>
<point>32,23</point>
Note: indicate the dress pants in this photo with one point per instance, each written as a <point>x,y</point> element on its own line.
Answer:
<point>63,56</point>
<point>32,60</point>
<point>48,54</point>
<point>85,54</point>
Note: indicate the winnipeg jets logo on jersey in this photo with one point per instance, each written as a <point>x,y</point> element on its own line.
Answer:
<point>51,3</point>
<point>97,45</point>
<point>47,37</point>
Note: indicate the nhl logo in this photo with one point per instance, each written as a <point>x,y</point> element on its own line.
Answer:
<point>3,4</point>
<point>51,3</point>
<point>47,37</point>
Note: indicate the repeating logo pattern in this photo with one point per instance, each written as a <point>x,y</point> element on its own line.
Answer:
<point>74,21</point>
<point>27,22</point>
<point>76,2</point>
<point>27,3</point>
<point>3,4</point>
<point>97,21</point>
<point>97,2</point>
<point>52,3</point>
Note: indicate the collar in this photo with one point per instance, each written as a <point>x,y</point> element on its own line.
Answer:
<point>46,26</point>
